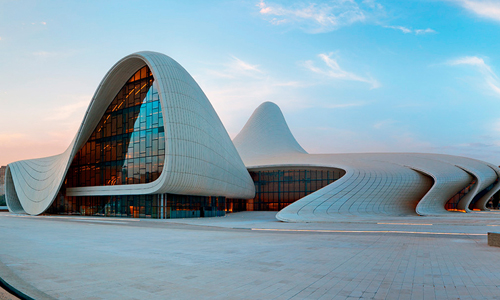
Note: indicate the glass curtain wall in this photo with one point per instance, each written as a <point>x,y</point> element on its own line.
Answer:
<point>128,144</point>
<point>481,194</point>
<point>452,204</point>
<point>128,147</point>
<point>276,189</point>
<point>157,206</point>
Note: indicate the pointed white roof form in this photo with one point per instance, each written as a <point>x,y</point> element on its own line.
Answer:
<point>266,134</point>
<point>375,184</point>
<point>201,160</point>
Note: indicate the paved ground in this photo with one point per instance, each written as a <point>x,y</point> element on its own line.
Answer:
<point>251,256</point>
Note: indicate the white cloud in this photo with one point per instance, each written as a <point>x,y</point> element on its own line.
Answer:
<point>372,4</point>
<point>239,86</point>
<point>238,64</point>
<point>236,68</point>
<point>494,87</point>
<point>333,70</point>
<point>68,111</point>
<point>408,30</point>
<point>424,31</point>
<point>6,138</point>
<point>45,54</point>
<point>489,76</point>
<point>317,18</point>
<point>403,29</point>
<point>469,60</point>
<point>345,105</point>
<point>292,84</point>
<point>383,123</point>
<point>489,9</point>
<point>325,17</point>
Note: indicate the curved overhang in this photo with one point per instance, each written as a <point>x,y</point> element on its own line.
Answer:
<point>463,204</point>
<point>374,184</point>
<point>370,187</point>
<point>481,202</point>
<point>200,158</point>
<point>484,173</point>
<point>292,167</point>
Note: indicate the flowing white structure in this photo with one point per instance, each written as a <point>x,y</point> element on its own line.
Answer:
<point>151,145</point>
<point>200,158</point>
<point>374,183</point>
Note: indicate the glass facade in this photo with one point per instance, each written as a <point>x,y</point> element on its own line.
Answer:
<point>276,189</point>
<point>481,194</point>
<point>128,147</point>
<point>452,204</point>
<point>128,144</point>
<point>493,203</point>
<point>157,206</point>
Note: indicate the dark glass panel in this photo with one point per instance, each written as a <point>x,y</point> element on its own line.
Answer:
<point>276,189</point>
<point>125,136</point>
<point>452,204</point>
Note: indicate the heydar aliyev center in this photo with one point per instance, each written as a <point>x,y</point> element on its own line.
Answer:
<point>152,146</point>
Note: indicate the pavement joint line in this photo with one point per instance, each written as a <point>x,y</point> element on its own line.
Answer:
<point>405,224</point>
<point>369,231</point>
<point>100,221</point>
<point>331,261</point>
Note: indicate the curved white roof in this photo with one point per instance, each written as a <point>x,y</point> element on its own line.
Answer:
<point>200,158</point>
<point>374,183</point>
<point>266,134</point>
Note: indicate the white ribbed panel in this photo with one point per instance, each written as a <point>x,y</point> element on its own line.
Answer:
<point>484,174</point>
<point>369,187</point>
<point>374,183</point>
<point>200,158</point>
<point>481,203</point>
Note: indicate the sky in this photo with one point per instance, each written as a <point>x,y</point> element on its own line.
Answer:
<point>349,76</point>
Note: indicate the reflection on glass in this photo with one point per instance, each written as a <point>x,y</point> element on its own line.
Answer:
<point>128,144</point>
<point>452,204</point>
<point>276,189</point>
<point>157,206</point>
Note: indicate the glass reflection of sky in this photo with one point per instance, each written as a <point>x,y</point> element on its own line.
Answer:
<point>128,144</point>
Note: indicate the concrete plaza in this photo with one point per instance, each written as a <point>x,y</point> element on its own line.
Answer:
<point>251,255</point>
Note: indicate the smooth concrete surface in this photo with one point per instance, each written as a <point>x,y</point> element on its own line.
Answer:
<point>251,255</point>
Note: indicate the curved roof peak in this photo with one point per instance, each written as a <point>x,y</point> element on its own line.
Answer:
<point>266,133</point>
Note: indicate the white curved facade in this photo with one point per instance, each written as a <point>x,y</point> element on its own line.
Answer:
<point>266,134</point>
<point>374,184</point>
<point>200,158</point>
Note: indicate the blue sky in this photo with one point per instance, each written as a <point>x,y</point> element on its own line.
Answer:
<point>350,76</point>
